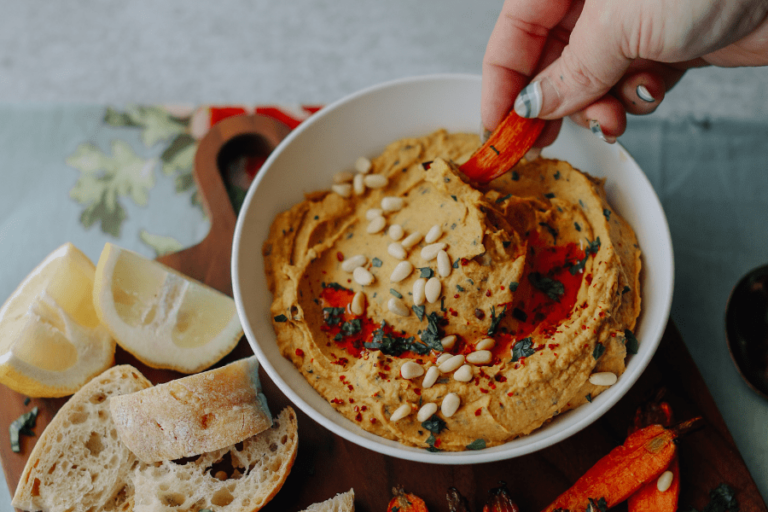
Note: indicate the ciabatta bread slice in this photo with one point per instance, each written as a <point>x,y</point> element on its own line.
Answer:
<point>344,502</point>
<point>193,415</point>
<point>242,478</point>
<point>79,463</point>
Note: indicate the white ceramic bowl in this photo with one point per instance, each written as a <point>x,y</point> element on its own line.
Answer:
<point>363,124</point>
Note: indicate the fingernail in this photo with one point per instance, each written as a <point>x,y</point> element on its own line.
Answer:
<point>644,95</point>
<point>485,134</point>
<point>528,102</point>
<point>532,154</point>
<point>594,127</point>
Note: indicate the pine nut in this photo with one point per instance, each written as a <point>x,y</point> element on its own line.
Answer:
<point>411,370</point>
<point>480,357</point>
<point>392,204</point>
<point>426,412</point>
<point>434,233</point>
<point>396,250</point>
<point>401,412</point>
<point>443,264</point>
<point>396,232</point>
<point>377,225</point>
<point>373,213</point>
<point>665,481</point>
<point>419,293</point>
<point>603,379</point>
<point>430,251</point>
<point>358,184</point>
<point>411,240</point>
<point>443,358</point>
<point>486,344</point>
<point>375,181</point>
<point>343,189</point>
<point>363,165</point>
<point>450,405</point>
<point>464,374</point>
<point>362,276</point>
<point>343,177</point>
<point>430,378</point>
<point>350,264</point>
<point>401,271</point>
<point>358,304</point>
<point>433,289</point>
<point>398,307</point>
<point>452,364</point>
<point>448,342</point>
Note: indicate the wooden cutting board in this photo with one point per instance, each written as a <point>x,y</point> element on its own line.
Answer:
<point>328,464</point>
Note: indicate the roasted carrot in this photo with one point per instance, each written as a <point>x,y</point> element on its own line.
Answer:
<point>508,143</point>
<point>614,478</point>
<point>405,502</point>
<point>650,499</point>
<point>456,502</point>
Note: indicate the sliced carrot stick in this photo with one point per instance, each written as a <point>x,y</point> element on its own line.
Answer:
<point>614,478</point>
<point>508,143</point>
<point>405,502</point>
<point>650,499</point>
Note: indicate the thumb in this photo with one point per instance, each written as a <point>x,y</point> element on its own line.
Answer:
<point>591,63</point>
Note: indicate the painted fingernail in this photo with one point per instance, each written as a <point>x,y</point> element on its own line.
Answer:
<point>528,102</point>
<point>644,95</point>
<point>485,133</point>
<point>594,127</point>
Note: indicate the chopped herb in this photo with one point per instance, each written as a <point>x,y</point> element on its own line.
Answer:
<point>519,314</point>
<point>581,203</point>
<point>393,345</point>
<point>598,351</point>
<point>522,348</point>
<point>281,318</point>
<point>470,281</point>
<point>592,247</point>
<point>396,293</point>
<point>426,272</point>
<point>431,440</point>
<point>557,175</point>
<point>447,180</point>
<point>419,310</point>
<point>442,304</point>
<point>502,199</point>
<point>455,198</point>
<point>630,341</point>
<point>333,316</point>
<point>607,213</point>
<point>552,231</point>
<point>577,226</point>
<point>205,510</point>
<point>506,243</point>
<point>495,320</point>
<point>597,506</point>
<point>549,195</point>
<point>625,290</point>
<point>459,287</point>
<point>26,401</point>
<point>352,327</point>
<point>515,176</point>
<point>22,426</point>
<point>513,286</point>
<point>434,424</point>
<point>552,288</point>
<point>350,236</point>
<point>589,397</point>
<point>376,262</point>
<point>335,286</point>
<point>477,444</point>
<point>494,149</point>
<point>431,336</point>
<point>317,217</point>
<point>453,226</point>
<point>578,266</point>
<point>456,263</point>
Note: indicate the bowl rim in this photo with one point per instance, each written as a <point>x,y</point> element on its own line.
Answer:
<point>601,406</point>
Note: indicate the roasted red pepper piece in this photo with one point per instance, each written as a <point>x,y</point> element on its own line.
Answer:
<point>405,502</point>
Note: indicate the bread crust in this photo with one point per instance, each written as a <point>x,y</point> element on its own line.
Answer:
<point>193,415</point>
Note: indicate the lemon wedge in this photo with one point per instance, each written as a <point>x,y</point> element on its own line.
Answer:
<point>162,317</point>
<point>51,341</point>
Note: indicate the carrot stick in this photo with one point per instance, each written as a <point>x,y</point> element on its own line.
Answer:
<point>614,478</point>
<point>508,143</point>
<point>650,499</point>
<point>405,502</point>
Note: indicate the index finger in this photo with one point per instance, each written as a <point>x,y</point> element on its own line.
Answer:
<point>514,51</point>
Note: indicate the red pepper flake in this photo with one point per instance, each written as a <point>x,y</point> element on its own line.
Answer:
<point>488,293</point>
<point>492,385</point>
<point>510,394</point>
<point>357,409</point>
<point>482,390</point>
<point>417,391</point>
<point>555,353</point>
<point>324,272</point>
<point>613,335</point>
<point>588,278</point>
<point>438,442</point>
<point>299,352</point>
<point>456,296</point>
<point>364,408</point>
<point>373,421</point>
<point>351,387</point>
<point>479,412</point>
<point>454,313</point>
<point>382,376</point>
<point>464,261</point>
<point>553,346</point>
<point>337,401</point>
<point>359,417</point>
<point>340,256</point>
<point>387,367</point>
<point>584,305</point>
<point>501,287</point>
<point>351,400</point>
<point>583,327</point>
<point>342,378</point>
<point>499,378</point>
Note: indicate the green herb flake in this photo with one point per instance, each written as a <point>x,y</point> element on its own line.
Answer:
<point>495,320</point>
<point>442,304</point>
<point>577,226</point>
<point>432,335</point>
<point>557,175</point>
<point>631,342</point>
<point>456,263</point>
<point>22,426</point>
<point>552,288</point>
<point>393,345</point>
<point>447,180</point>
<point>477,444</point>
<point>419,310</point>
<point>27,400</point>
<point>502,199</point>
<point>589,397</point>
<point>598,351</point>
<point>426,272</point>
<point>625,290</point>
<point>455,198</point>
<point>396,293</point>
<point>513,286</point>
<point>552,231</point>
<point>459,288</point>
<point>581,203</point>
<point>352,327</point>
<point>434,424</point>
<point>335,286</point>
<point>506,243</point>
<point>593,247</point>
<point>333,316</point>
<point>281,318</point>
<point>607,213</point>
<point>431,440</point>
<point>549,195</point>
<point>578,266</point>
<point>317,217</point>
<point>522,348</point>
<point>376,262</point>
<point>515,176</point>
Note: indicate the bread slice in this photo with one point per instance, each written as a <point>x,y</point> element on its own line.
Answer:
<point>245,481</point>
<point>79,462</point>
<point>193,415</point>
<point>344,502</point>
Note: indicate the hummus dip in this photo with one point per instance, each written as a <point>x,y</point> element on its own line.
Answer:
<point>531,280</point>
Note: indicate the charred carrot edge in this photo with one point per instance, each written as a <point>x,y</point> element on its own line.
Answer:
<point>650,499</point>
<point>499,500</point>
<point>642,458</point>
<point>405,502</point>
<point>508,143</point>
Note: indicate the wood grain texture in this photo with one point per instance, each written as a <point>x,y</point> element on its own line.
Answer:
<point>328,464</point>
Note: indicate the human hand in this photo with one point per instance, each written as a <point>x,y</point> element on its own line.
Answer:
<point>597,60</point>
